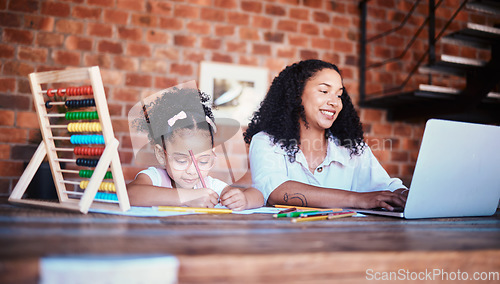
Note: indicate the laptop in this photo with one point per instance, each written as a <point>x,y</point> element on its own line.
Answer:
<point>457,173</point>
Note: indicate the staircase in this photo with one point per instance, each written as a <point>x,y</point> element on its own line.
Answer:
<point>478,101</point>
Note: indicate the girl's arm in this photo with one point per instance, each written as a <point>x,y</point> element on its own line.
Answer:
<point>142,192</point>
<point>300,194</point>
<point>241,198</point>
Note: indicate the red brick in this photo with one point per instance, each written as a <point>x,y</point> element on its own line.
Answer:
<point>274,37</point>
<point>308,54</point>
<point>13,135</point>
<point>275,64</point>
<point>165,82</point>
<point>120,125</point>
<point>69,26</point>
<point>227,4</point>
<point>342,21</point>
<point>299,14</point>
<point>237,18</point>
<point>134,5</point>
<point>321,43</point>
<point>17,36</point>
<point>194,56</point>
<point>262,21</point>
<point>217,57</point>
<point>55,9</point>
<point>66,57</point>
<point>184,11</point>
<point>110,47</point>
<point>288,26</point>
<point>372,115</point>
<point>298,40</point>
<point>115,109</point>
<point>4,151</point>
<point>138,80</point>
<point>248,60</point>
<point>126,63</point>
<point>144,20</point>
<point>167,53</point>
<point>309,28</point>
<point>6,51</point>
<point>3,4</point>
<point>263,49</point>
<point>129,33</point>
<point>137,49</point>
<point>101,60</point>
<point>287,52</point>
<point>171,24</point>
<point>251,6</point>
<point>112,77</point>
<point>101,30</point>
<point>39,23</point>
<point>400,156</point>
<point>32,54</point>
<point>27,6</point>
<point>126,94</point>
<point>198,27</point>
<point>321,17</point>
<point>78,43</point>
<point>17,68</point>
<point>313,3</point>
<point>125,157</point>
<point>210,14</point>
<point>210,43</point>
<point>275,10</point>
<point>11,168</point>
<point>239,47</point>
<point>343,47</point>
<point>154,66</point>
<point>103,3</point>
<point>157,36</point>
<point>159,8</point>
<point>82,12</point>
<point>249,34</point>
<point>19,102</point>
<point>6,117</point>
<point>7,85</point>
<point>181,69</point>
<point>183,40</point>
<point>200,2</point>
<point>332,32</point>
<point>27,119</point>
<point>115,17</point>
<point>223,30</point>
<point>10,20</point>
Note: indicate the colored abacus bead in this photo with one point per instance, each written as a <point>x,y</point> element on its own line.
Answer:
<point>48,105</point>
<point>88,151</point>
<point>106,196</point>
<point>81,115</point>
<point>49,93</point>
<point>80,103</point>
<point>104,186</point>
<point>84,127</point>
<point>88,174</point>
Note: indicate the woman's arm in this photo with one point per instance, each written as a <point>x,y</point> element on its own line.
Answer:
<point>142,192</point>
<point>300,194</point>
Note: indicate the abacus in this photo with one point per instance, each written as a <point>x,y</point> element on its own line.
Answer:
<point>83,127</point>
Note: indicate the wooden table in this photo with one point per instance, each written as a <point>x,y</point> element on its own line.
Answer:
<point>254,248</point>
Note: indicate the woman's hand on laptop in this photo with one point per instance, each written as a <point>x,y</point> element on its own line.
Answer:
<point>381,199</point>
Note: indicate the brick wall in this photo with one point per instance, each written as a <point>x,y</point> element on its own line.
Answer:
<point>143,46</point>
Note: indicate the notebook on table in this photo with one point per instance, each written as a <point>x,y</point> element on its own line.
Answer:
<point>457,173</point>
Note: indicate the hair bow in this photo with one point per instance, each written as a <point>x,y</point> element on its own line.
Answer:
<point>180,115</point>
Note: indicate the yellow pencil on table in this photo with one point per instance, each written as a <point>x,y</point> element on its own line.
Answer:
<point>195,209</point>
<point>307,208</point>
<point>324,217</point>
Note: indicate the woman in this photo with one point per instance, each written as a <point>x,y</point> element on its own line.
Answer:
<point>307,148</point>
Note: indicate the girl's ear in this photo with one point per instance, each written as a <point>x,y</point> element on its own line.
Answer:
<point>160,154</point>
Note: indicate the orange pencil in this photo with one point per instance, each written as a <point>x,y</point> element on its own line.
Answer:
<point>307,208</point>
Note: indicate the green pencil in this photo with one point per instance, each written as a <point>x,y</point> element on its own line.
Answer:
<point>292,214</point>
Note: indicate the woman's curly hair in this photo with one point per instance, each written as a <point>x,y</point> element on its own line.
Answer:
<point>169,104</point>
<point>282,108</point>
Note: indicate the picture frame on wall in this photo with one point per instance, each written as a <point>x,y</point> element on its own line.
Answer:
<point>236,90</point>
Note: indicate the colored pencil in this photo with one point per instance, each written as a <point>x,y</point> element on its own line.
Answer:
<point>195,209</point>
<point>306,219</point>
<point>307,208</point>
<point>292,214</point>
<point>315,213</point>
<point>341,215</point>
<point>197,169</point>
<point>288,210</point>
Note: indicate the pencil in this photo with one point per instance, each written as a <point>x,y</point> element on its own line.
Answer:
<point>287,210</point>
<point>307,208</point>
<point>292,214</point>
<point>315,213</point>
<point>306,219</point>
<point>341,215</point>
<point>195,209</point>
<point>197,169</point>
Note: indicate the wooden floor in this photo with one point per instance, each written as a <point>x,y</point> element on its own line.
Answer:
<point>254,248</point>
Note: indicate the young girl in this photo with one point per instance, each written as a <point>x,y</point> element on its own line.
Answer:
<point>307,148</point>
<point>178,126</point>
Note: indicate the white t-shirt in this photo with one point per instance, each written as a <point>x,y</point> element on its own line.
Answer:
<point>270,166</point>
<point>159,177</point>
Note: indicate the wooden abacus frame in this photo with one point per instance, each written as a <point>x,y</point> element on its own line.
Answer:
<point>109,157</point>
